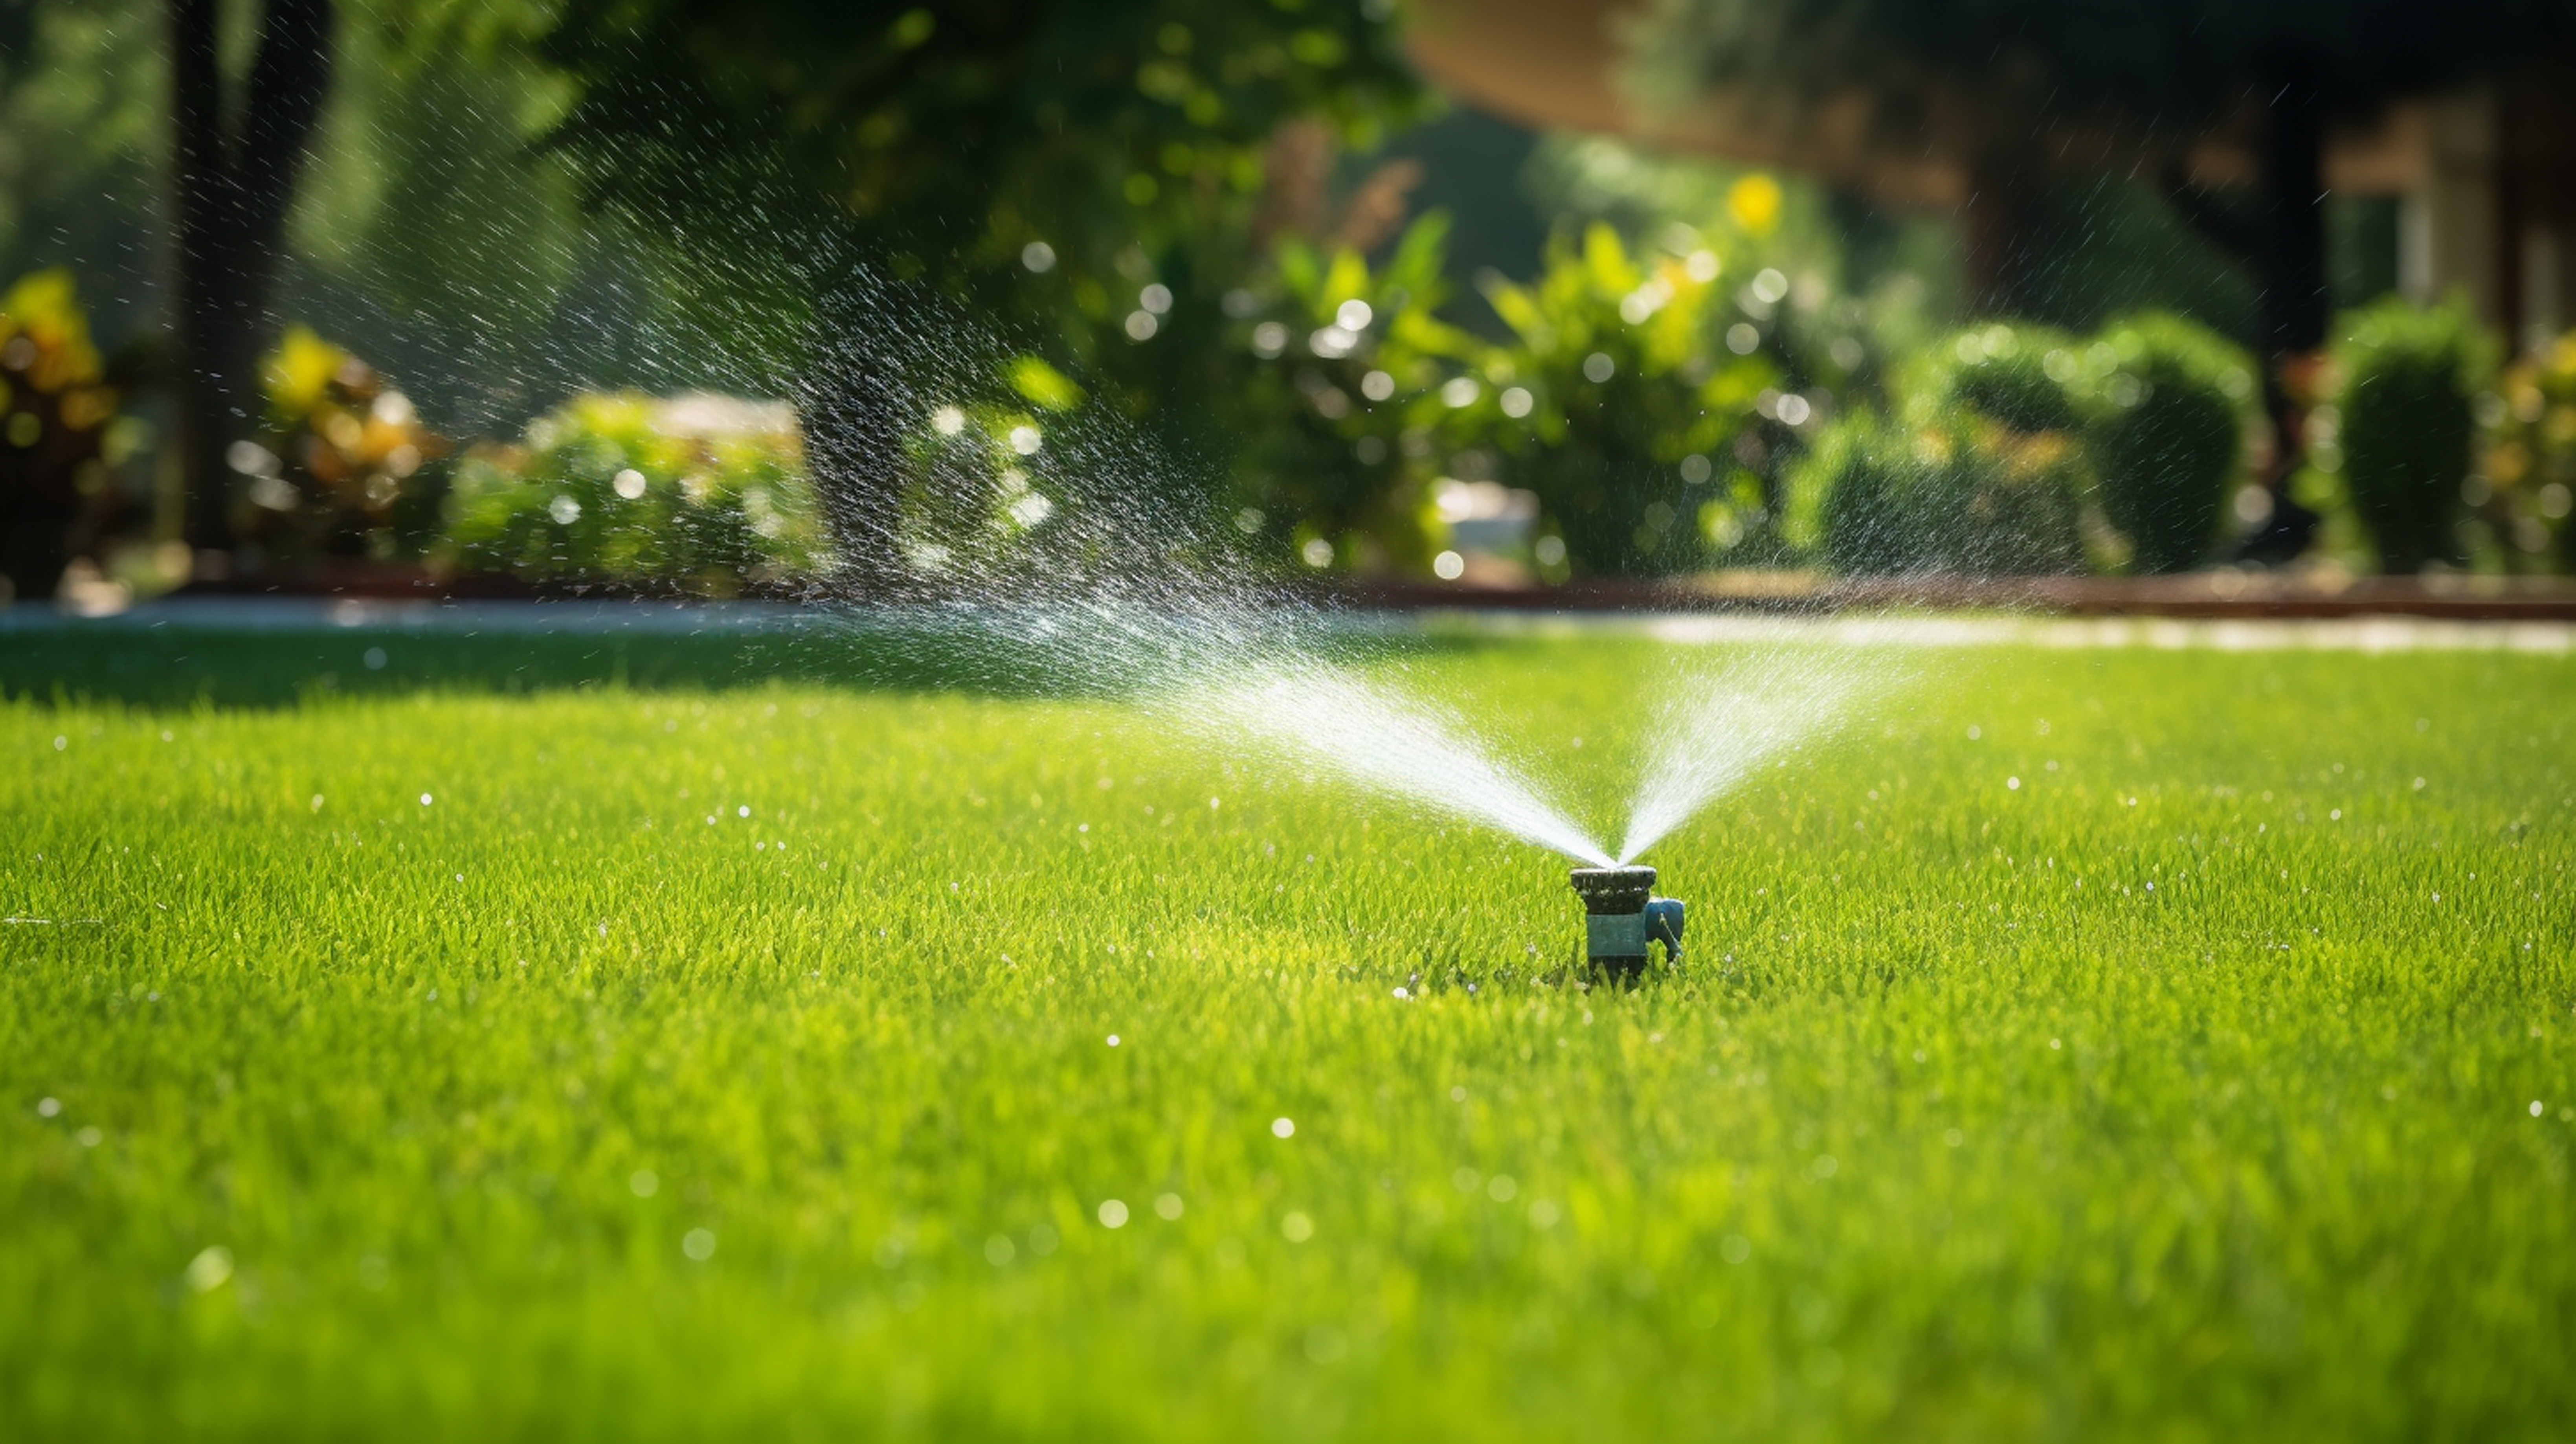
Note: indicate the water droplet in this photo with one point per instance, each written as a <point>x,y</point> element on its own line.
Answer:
<point>210,1268</point>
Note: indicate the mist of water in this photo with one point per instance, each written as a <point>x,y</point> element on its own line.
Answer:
<point>1381,739</point>
<point>1125,586</point>
<point>1719,722</point>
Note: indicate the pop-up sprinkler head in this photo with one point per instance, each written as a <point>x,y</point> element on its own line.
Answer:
<point>1621,915</point>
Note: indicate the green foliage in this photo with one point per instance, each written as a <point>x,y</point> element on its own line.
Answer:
<point>1044,166</point>
<point>1851,499</point>
<point>1346,424</point>
<point>83,137</point>
<point>946,140</point>
<point>2008,503</point>
<point>350,467</point>
<point>2166,430</point>
<point>2150,1100</point>
<point>2530,457</point>
<point>1964,496</point>
<point>1980,474</point>
<point>2409,379</point>
<point>2004,432</point>
<point>702,494</point>
<point>58,430</point>
<point>973,485</point>
<point>2000,372</point>
<point>1615,377</point>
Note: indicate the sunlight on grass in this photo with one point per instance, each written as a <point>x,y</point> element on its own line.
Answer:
<point>2100,1044</point>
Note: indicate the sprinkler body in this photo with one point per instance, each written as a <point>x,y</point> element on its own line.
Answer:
<point>1622,915</point>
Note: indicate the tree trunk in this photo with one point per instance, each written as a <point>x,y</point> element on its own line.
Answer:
<point>2293,256</point>
<point>2290,260</point>
<point>235,178</point>
<point>2001,249</point>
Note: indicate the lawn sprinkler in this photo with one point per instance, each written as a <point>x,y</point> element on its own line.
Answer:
<point>1621,915</point>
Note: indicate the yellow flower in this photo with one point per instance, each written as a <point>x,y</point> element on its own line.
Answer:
<point>1754,203</point>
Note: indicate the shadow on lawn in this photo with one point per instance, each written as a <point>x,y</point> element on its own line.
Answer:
<point>178,668</point>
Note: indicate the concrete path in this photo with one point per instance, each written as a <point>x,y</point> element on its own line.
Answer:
<point>293,615</point>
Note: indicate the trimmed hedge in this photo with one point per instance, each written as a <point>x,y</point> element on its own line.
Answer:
<point>2167,433</point>
<point>2410,379</point>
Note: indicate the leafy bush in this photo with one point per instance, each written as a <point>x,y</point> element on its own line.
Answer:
<point>1350,394</point>
<point>2001,372</point>
<point>1614,381</point>
<point>1852,501</point>
<point>2166,430</point>
<point>974,483</point>
<point>2530,465</point>
<point>2409,382</point>
<point>1971,498</point>
<point>1982,473</point>
<point>57,418</point>
<point>2005,502</point>
<point>348,457</point>
<point>704,494</point>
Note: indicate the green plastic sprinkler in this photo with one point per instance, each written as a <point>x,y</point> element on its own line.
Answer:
<point>1621,915</point>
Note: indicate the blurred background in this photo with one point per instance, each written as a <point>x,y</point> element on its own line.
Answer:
<point>765,296</point>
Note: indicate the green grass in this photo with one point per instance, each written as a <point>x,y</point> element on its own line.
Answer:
<point>2149,1100</point>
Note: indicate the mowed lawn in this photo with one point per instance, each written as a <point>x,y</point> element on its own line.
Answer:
<point>560,1039</point>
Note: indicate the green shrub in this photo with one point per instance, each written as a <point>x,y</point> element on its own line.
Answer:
<point>2000,501</point>
<point>2531,458</point>
<point>1614,379</point>
<point>1850,500</point>
<point>1972,498</point>
<point>1347,425</point>
<point>2409,382</point>
<point>2166,431</point>
<point>57,431</point>
<point>1982,475</point>
<point>2014,376</point>
<point>351,464</point>
<point>699,493</point>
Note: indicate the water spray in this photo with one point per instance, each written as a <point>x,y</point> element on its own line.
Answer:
<point>1622,916</point>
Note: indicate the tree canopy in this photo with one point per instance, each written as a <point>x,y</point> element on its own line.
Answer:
<point>2138,76</point>
<point>963,133</point>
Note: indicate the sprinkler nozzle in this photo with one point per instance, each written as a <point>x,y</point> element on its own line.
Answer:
<point>1622,915</point>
